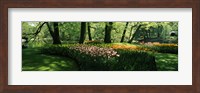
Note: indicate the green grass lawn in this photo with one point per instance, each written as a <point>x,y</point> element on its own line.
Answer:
<point>32,60</point>
<point>166,61</point>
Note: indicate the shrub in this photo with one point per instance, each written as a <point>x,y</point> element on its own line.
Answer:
<point>128,47</point>
<point>93,58</point>
<point>53,50</point>
<point>135,60</point>
<point>163,48</point>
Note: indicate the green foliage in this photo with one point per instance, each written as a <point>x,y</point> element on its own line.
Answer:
<point>135,60</point>
<point>97,30</point>
<point>28,27</point>
<point>89,58</point>
<point>70,31</point>
<point>163,48</point>
<point>55,50</point>
<point>92,58</point>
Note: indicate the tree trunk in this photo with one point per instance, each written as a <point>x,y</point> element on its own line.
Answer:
<point>89,32</point>
<point>158,35</point>
<point>82,34</point>
<point>134,34</point>
<point>108,29</point>
<point>54,34</point>
<point>56,37</point>
<point>123,35</point>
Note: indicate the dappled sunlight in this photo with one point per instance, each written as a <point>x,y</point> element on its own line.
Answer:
<point>43,68</point>
<point>167,61</point>
<point>34,61</point>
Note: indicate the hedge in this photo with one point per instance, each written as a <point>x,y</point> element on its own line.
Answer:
<point>93,58</point>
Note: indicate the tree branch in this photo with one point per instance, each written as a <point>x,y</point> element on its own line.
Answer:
<point>37,31</point>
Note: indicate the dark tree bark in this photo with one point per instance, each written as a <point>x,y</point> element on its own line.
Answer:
<point>89,32</point>
<point>54,34</point>
<point>123,35</point>
<point>134,34</point>
<point>82,34</point>
<point>108,29</point>
<point>50,29</point>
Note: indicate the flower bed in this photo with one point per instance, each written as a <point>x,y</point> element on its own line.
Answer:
<point>93,58</point>
<point>163,48</point>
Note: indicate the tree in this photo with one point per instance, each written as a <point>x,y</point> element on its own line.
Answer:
<point>54,34</point>
<point>108,29</point>
<point>89,32</point>
<point>159,30</point>
<point>123,35</point>
<point>82,34</point>
<point>32,35</point>
<point>134,34</point>
<point>56,37</point>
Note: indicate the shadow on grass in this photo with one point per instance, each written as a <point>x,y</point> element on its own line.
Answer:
<point>167,62</point>
<point>32,60</point>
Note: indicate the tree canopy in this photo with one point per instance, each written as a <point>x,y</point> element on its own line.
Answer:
<point>73,32</point>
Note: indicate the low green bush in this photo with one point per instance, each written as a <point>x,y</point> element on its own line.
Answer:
<point>60,50</point>
<point>166,49</point>
<point>163,48</point>
<point>93,58</point>
<point>135,60</point>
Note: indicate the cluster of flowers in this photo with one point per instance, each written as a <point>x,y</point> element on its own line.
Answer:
<point>128,47</point>
<point>159,44</point>
<point>161,47</point>
<point>95,51</point>
<point>124,46</point>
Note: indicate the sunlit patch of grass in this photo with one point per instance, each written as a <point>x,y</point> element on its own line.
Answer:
<point>124,46</point>
<point>32,60</point>
<point>43,68</point>
<point>166,61</point>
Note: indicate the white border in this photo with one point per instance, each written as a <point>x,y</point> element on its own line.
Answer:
<point>181,77</point>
